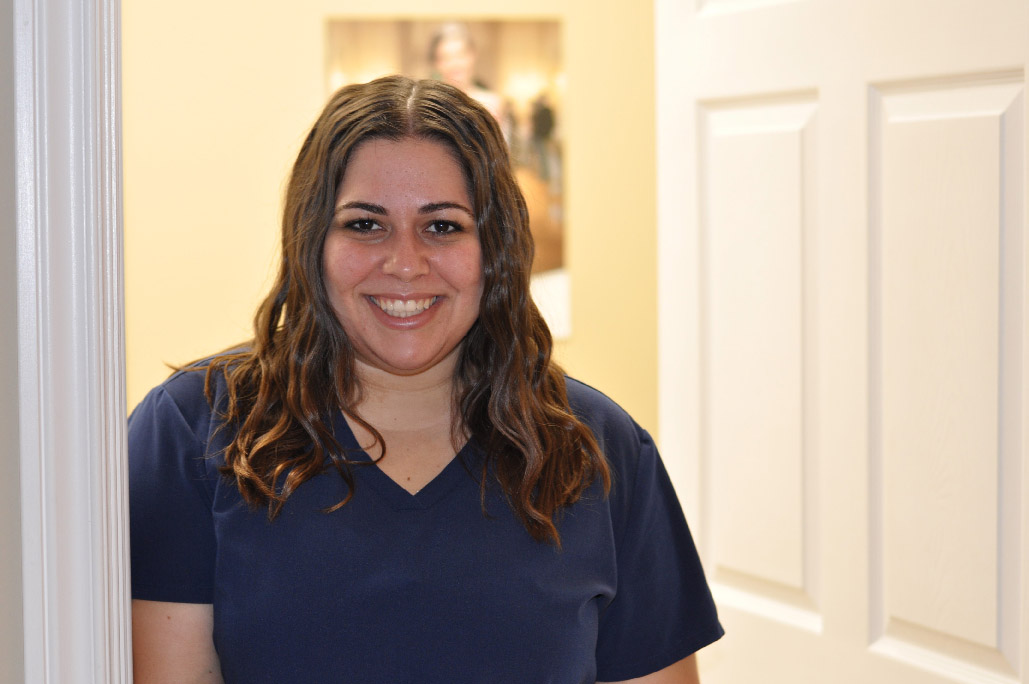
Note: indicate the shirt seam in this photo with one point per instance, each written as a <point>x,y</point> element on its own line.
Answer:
<point>200,446</point>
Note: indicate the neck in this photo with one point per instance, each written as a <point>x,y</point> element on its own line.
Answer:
<point>407,402</point>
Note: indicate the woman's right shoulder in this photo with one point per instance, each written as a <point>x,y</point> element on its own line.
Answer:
<point>184,395</point>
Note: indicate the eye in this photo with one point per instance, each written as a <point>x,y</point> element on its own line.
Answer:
<point>444,227</point>
<point>365,225</point>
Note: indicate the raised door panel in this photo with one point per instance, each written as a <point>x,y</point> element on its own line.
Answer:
<point>757,174</point>
<point>946,325</point>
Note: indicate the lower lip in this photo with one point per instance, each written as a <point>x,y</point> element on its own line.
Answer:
<point>412,321</point>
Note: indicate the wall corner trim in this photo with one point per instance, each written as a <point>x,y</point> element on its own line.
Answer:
<point>70,341</point>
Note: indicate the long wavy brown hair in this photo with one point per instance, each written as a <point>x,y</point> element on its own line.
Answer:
<point>285,386</point>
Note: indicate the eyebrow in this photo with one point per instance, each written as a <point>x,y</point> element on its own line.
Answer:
<point>380,210</point>
<point>364,206</point>
<point>438,206</point>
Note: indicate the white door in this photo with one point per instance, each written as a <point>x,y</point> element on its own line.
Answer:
<point>843,305</point>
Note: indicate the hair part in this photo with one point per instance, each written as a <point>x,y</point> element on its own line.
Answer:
<point>286,386</point>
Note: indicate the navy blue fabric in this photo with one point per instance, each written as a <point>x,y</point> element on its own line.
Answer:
<point>395,587</point>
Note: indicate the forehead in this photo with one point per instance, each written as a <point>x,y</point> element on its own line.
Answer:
<point>416,167</point>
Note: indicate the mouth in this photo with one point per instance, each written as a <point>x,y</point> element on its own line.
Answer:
<point>399,308</point>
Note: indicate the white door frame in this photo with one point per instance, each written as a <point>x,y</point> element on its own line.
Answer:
<point>678,259</point>
<point>70,354</point>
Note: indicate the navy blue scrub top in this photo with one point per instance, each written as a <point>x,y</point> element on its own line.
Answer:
<point>400,587</point>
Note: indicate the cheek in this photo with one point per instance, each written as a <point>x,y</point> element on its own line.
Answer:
<point>338,271</point>
<point>476,285</point>
<point>471,271</point>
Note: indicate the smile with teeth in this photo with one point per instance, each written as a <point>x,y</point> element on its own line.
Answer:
<point>398,308</point>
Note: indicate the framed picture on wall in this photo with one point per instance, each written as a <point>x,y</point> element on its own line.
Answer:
<point>511,67</point>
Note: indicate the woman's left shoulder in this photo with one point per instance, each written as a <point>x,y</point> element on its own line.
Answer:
<point>613,427</point>
<point>592,405</point>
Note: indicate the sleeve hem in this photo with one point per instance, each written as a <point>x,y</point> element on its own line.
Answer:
<point>190,594</point>
<point>688,646</point>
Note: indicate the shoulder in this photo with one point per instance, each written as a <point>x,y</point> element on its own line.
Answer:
<point>605,418</point>
<point>622,441</point>
<point>183,399</point>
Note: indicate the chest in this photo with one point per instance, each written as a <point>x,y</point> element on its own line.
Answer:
<point>392,585</point>
<point>414,455</point>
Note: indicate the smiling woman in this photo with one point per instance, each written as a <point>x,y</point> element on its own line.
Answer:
<point>392,481</point>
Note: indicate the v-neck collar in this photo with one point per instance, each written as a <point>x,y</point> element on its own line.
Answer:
<point>387,488</point>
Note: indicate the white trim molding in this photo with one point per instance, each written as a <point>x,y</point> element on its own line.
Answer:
<point>678,265</point>
<point>70,342</point>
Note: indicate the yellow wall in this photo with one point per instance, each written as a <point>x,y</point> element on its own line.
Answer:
<point>217,97</point>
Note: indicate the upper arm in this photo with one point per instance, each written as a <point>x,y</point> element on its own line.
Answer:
<point>662,609</point>
<point>173,643</point>
<point>172,484</point>
<point>682,672</point>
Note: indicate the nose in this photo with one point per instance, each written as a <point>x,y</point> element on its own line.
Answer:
<point>407,256</point>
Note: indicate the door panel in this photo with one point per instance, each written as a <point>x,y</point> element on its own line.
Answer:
<point>757,176</point>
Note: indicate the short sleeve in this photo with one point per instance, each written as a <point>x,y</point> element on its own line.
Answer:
<point>171,528</point>
<point>662,610</point>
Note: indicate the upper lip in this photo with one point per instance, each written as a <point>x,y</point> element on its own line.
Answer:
<point>405,297</point>
<point>402,298</point>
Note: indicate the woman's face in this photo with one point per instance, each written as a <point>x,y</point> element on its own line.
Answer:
<point>402,262</point>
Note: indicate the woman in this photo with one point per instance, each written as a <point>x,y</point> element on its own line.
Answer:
<point>392,482</point>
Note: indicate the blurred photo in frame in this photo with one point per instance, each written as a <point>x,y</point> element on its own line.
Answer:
<point>513,68</point>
